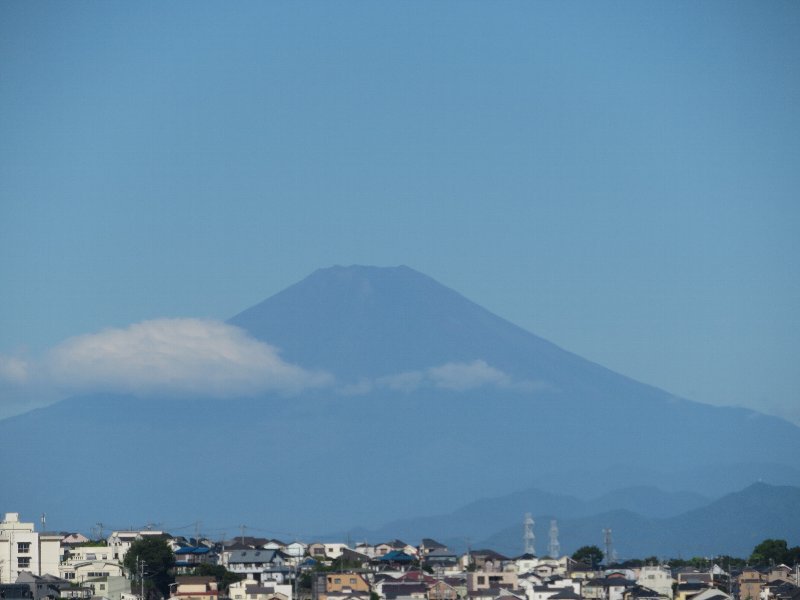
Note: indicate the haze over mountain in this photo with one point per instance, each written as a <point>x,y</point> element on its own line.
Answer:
<point>422,402</point>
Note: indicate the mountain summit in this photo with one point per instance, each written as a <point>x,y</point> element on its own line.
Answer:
<point>433,402</point>
<point>361,321</point>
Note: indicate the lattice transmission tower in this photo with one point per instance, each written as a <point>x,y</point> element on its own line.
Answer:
<point>528,538</point>
<point>555,548</point>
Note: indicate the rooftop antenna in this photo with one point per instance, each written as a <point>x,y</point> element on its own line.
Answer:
<point>609,547</point>
<point>44,521</point>
<point>528,538</point>
<point>555,548</point>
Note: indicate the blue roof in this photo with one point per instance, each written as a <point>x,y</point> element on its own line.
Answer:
<point>396,556</point>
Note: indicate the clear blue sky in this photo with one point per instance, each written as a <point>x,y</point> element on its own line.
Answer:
<point>621,178</point>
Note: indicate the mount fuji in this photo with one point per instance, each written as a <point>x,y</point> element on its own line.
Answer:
<point>431,403</point>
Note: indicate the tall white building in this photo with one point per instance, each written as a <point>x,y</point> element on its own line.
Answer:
<point>657,578</point>
<point>23,549</point>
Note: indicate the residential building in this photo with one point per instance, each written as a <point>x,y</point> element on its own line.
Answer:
<point>188,557</point>
<point>612,587</point>
<point>113,587</point>
<point>441,590</point>
<point>323,550</point>
<point>43,587</point>
<point>405,591</point>
<point>24,549</point>
<point>712,594</point>
<point>193,587</point>
<point>348,585</point>
<point>250,589</point>
<point>77,571</point>
<point>485,580</point>
<point>259,565</point>
<point>15,591</point>
<point>121,541</point>
<point>657,578</point>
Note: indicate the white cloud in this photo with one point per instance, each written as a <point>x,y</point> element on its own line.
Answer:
<point>176,356</point>
<point>363,386</point>
<point>466,376</point>
<point>14,370</point>
<point>455,376</point>
<point>402,382</point>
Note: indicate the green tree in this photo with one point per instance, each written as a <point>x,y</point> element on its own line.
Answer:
<point>591,555</point>
<point>770,551</point>
<point>158,563</point>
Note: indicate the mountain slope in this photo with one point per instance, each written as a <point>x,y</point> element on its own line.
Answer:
<point>490,409</point>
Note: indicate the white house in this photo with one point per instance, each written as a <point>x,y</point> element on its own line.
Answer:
<point>657,578</point>
<point>250,589</point>
<point>120,541</point>
<point>258,565</point>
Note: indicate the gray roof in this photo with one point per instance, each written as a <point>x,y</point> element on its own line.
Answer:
<point>253,556</point>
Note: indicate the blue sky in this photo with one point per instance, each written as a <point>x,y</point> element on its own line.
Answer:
<point>620,178</point>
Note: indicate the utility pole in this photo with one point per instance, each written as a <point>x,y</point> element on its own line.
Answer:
<point>141,565</point>
<point>608,545</point>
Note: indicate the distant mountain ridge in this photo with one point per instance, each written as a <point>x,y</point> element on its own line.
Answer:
<point>482,518</point>
<point>732,524</point>
<point>490,409</point>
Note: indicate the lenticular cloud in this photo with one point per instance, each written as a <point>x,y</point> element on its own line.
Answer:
<point>177,356</point>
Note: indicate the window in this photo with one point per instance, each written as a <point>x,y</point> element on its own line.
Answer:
<point>23,562</point>
<point>481,580</point>
<point>69,575</point>
<point>23,547</point>
<point>337,580</point>
<point>352,580</point>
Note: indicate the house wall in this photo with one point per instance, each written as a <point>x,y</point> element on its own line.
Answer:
<point>482,580</point>
<point>658,579</point>
<point>337,582</point>
<point>49,554</point>
<point>113,587</point>
<point>750,584</point>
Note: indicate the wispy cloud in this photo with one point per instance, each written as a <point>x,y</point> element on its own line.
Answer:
<point>176,356</point>
<point>466,376</point>
<point>455,376</point>
<point>14,370</point>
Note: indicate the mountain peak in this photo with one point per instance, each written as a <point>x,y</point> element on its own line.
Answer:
<point>365,321</point>
<point>363,279</point>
